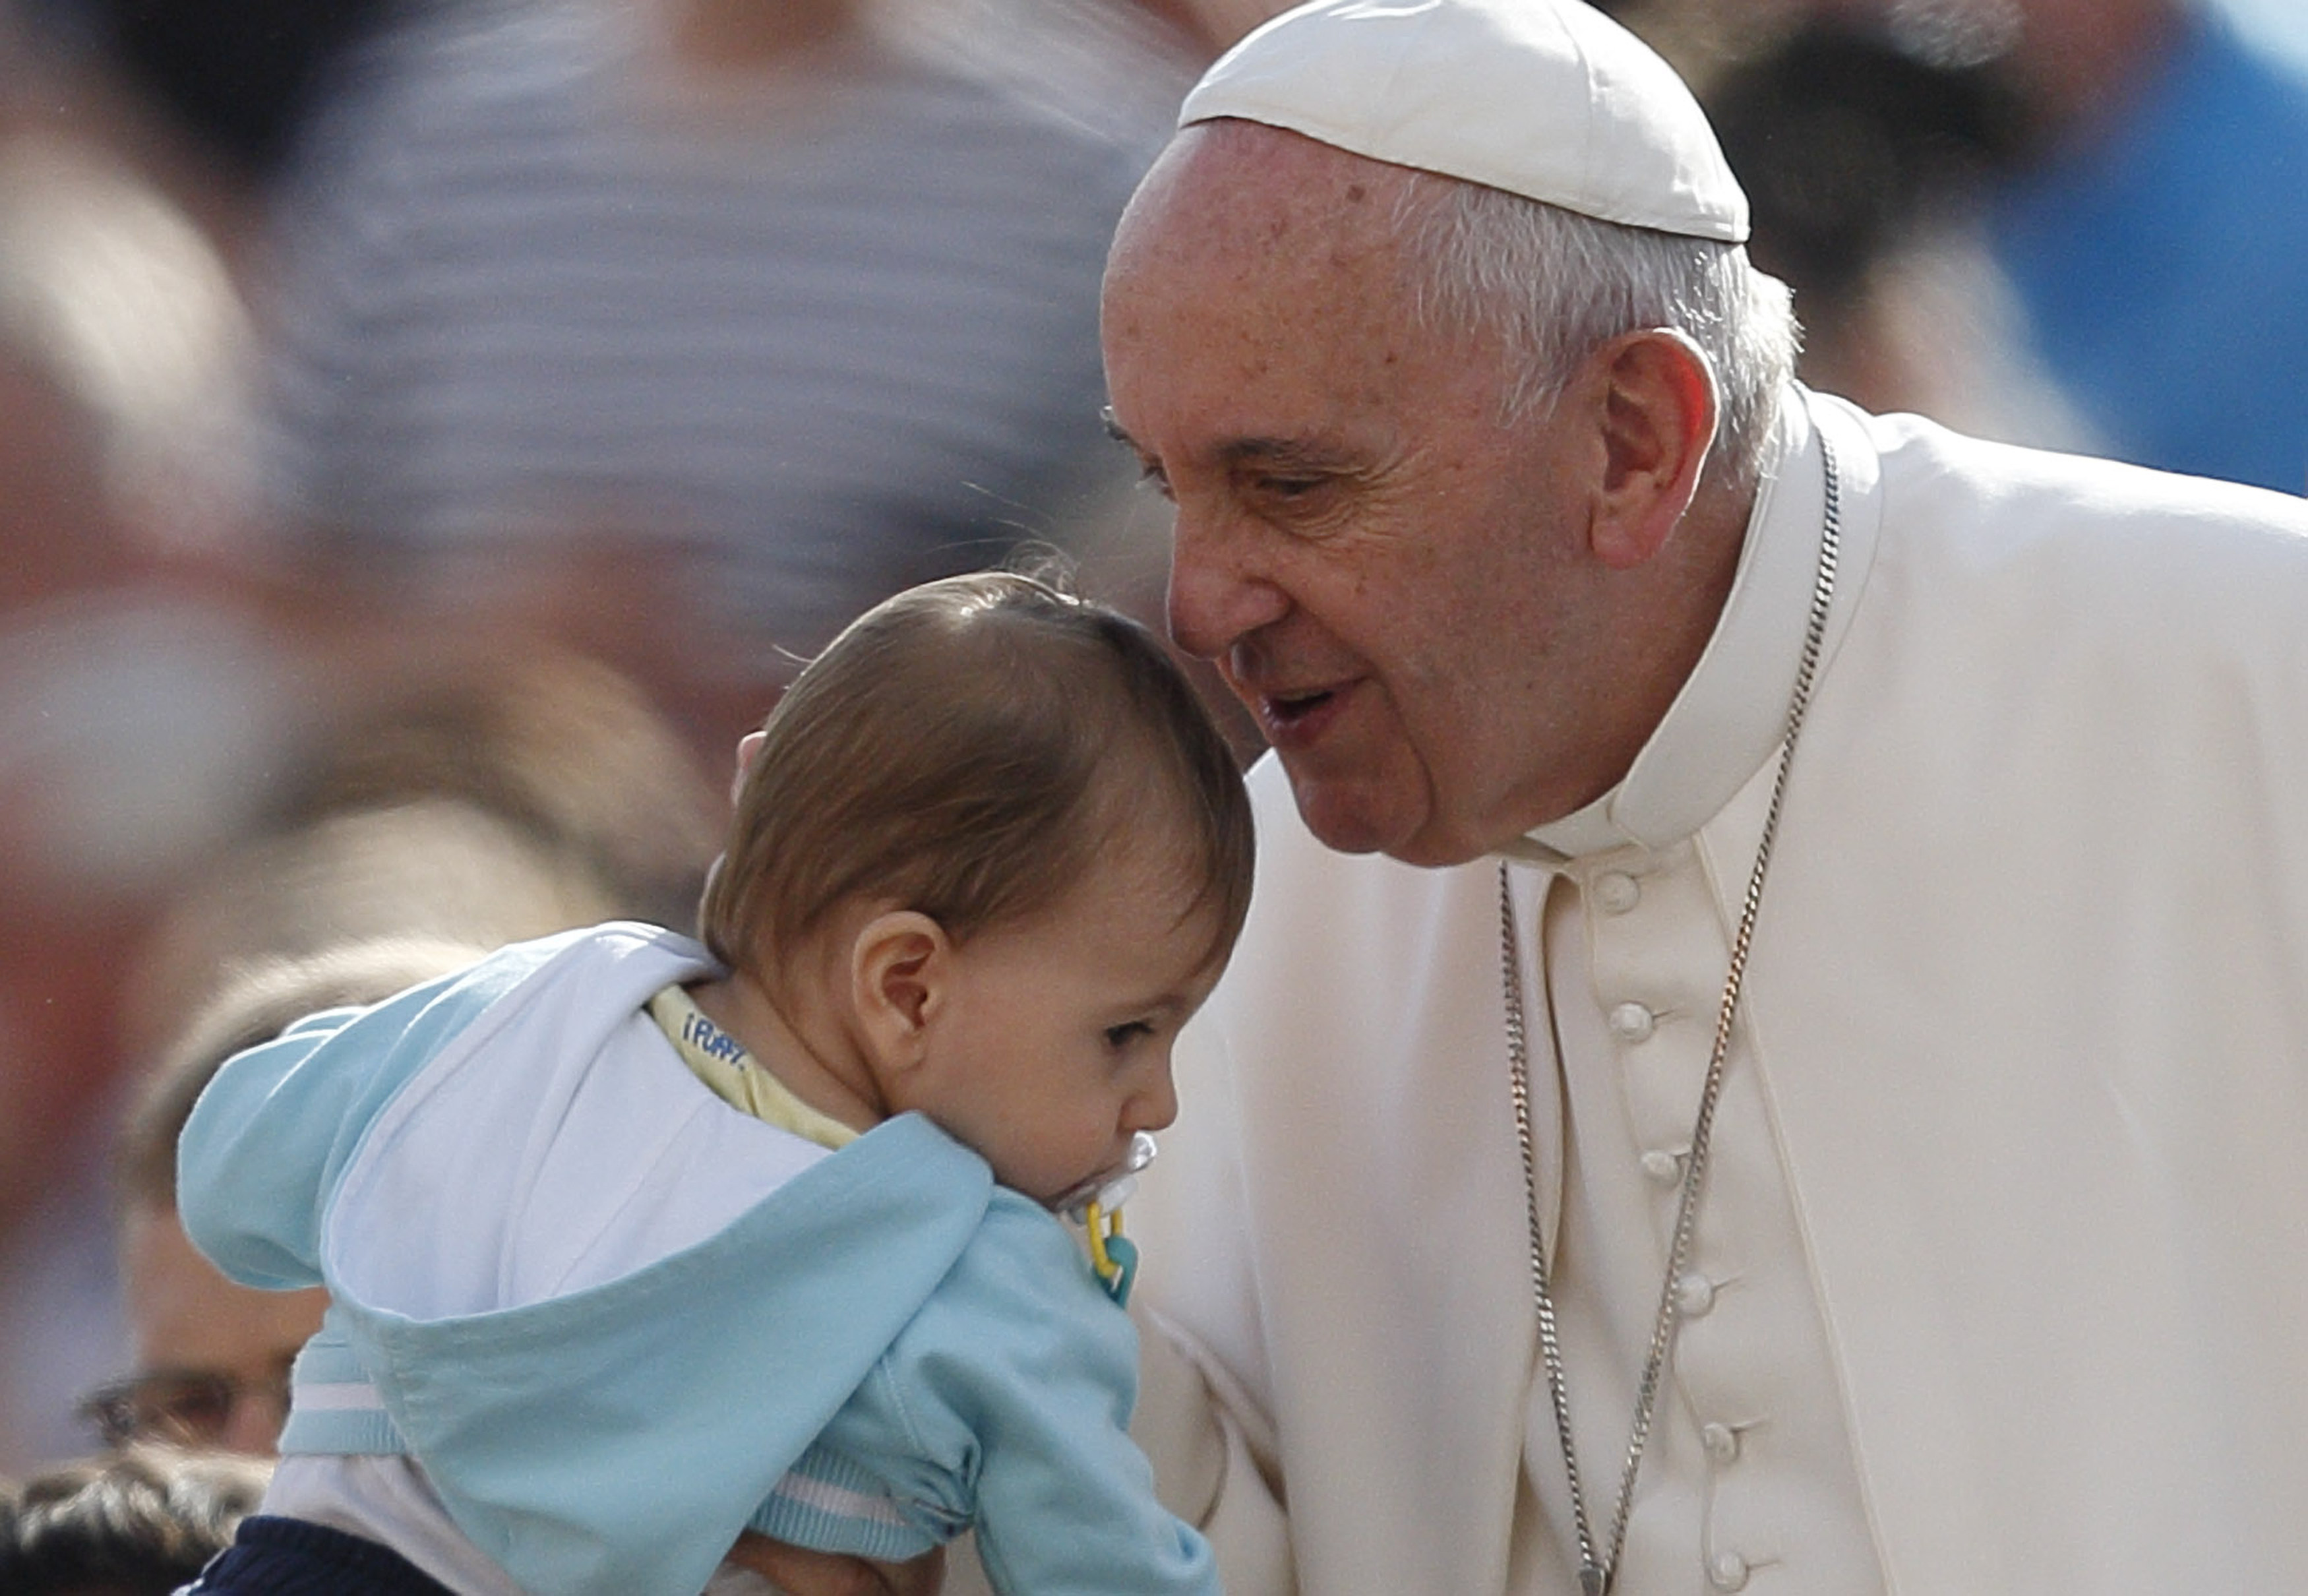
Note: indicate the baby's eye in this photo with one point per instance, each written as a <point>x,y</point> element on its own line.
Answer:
<point>1120,1035</point>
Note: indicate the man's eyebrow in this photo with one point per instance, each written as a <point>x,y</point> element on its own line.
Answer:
<point>1281,452</point>
<point>1251,450</point>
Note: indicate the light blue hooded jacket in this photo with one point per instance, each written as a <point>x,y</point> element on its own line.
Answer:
<point>617,1322</point>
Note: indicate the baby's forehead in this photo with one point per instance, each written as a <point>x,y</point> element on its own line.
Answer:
<point>1172,831</point>
<point>1146,825</point>
<point>1156,874</point>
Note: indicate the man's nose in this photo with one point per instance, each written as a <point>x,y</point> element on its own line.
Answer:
<point>1217,593</point>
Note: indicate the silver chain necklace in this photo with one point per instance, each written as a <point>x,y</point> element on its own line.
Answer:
<point>1599,1564</point>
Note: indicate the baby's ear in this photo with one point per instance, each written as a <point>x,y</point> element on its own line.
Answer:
<point>900,968</point>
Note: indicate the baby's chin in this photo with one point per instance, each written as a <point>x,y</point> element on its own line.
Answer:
<point>1059,1199</point>
<point>1103,1183</point>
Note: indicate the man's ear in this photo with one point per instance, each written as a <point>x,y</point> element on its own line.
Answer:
<point>900,980</point>
<point>1659,419</point>
<point>749,749</point>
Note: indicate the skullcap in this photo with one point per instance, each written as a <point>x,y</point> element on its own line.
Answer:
<point>1547,98</point>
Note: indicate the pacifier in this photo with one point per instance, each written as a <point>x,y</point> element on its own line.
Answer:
<point>1096,1204</point>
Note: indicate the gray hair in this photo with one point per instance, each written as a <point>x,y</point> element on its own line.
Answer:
<point>1550,286</point>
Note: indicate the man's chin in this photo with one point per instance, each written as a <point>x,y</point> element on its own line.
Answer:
<point>1340,813</point>
<point>1435,853</point>
<point>1349,818</point>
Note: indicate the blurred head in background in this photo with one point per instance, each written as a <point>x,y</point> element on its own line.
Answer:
<point>139,1523</point>
<point>212,1357</point>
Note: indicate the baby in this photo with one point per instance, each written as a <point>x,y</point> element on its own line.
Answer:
<point>634,1245</point>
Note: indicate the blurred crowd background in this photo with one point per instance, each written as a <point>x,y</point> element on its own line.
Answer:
<point>431,432</point>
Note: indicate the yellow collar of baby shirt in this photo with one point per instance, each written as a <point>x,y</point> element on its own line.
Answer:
<point>720,1060</point>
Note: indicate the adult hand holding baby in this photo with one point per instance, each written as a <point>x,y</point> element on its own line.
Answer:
<point>797,1571</point>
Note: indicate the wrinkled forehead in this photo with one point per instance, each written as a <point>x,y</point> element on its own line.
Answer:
<point>1259,299</point>
<point>1254,239</point>
<point>1253,194</point>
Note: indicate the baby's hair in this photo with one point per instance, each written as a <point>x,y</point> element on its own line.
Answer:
<point>959,750</point>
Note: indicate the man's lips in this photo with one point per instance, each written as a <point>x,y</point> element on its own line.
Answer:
<point>1295,717</point>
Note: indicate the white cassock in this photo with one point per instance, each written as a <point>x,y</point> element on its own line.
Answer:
<point>2001,1280</point>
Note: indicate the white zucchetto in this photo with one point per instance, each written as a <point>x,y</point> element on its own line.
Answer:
<point>1547,98</point>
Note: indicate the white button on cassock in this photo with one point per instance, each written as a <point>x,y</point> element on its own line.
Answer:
<point>1663,1166</point>
<point>1632,1022</point>
<point>1727,1571</point>
<point>1695,1294</point>
<point>1721,1444</point>
<point>1617,892</point>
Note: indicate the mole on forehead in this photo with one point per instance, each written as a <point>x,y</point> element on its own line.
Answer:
<point>1224,182</point>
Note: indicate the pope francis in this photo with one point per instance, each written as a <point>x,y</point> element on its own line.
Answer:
<point>1771,1049</point>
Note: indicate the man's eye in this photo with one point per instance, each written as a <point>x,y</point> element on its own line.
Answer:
<point>1122,1036</point>
<point>1154,477</point>
<point>1289,488</point>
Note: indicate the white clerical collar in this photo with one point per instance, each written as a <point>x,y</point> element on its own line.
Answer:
<point>1732,712</point>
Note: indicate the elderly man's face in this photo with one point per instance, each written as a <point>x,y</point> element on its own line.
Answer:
<point>1390,575</point>
<point>190,1321</point>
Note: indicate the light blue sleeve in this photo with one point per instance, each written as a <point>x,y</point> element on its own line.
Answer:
<point>269,1136</point>
<point>1023,1369</point>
